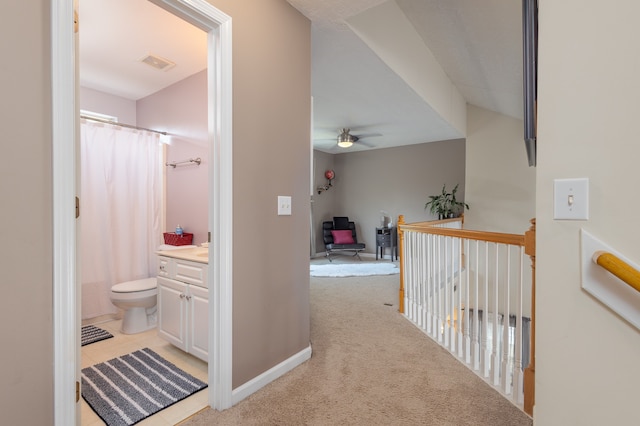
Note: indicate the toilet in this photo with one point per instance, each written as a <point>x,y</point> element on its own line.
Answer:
<point>138,300</point>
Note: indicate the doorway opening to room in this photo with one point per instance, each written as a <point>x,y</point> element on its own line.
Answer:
<point>143,107</point>
<point>66,139</point>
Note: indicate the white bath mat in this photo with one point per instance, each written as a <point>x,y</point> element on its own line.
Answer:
<point>353,269</point>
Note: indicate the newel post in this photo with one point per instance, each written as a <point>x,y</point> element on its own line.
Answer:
<point>401,250</point>
<point>530,371</point>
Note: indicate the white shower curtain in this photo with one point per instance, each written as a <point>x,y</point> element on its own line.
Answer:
<point>120,210</point>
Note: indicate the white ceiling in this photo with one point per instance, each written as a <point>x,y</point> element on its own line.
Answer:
<point>115,34</point>
<point>476,42</point>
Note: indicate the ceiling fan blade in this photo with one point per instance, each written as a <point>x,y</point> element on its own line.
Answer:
<point>367,144</point>
<point>368,135</point>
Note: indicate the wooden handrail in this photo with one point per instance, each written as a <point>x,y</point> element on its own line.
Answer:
<point>492,237</point>
<point>432,223</point>
<point>618,267</point>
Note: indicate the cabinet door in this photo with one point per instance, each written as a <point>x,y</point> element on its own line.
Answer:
<point>199,322</point>
<point>164,267</point>
<point>172,316</point>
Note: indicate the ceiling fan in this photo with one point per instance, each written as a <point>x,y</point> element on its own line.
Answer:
<point>346,139</point>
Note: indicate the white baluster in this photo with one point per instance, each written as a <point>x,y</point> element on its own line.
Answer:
<point>453,327</point>
<point>408,269</point>
<point>411,284</point>
<point>518,389</point>
<point>451,316</point>
<point>420,256</point>
<point>438,286</point>
<point>419,284</point>
<point>475,337</point>
<point>486,353</point>
<point>435,325</point>
<point>495,347</point>
<point>459,304</point>
<point>416,282</point>
<point>426,280</point>
<point>410,287</point>
<point>506,322</point>
<point>424,283</point>
<point>467,305</point>
<point>446,293</point>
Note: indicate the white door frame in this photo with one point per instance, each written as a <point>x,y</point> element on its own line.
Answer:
<point>66,321</point>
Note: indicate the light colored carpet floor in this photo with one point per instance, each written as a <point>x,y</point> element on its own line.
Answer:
<point>369,366</point>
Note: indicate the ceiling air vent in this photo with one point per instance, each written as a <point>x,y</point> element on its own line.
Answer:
<point>157,62</point>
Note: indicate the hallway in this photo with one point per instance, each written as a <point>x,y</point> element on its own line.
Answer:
<point>370,366</point>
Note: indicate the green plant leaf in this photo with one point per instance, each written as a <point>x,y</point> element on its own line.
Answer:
<point>445,203</point>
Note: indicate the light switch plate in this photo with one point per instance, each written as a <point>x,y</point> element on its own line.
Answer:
<point>571,199</point>
<point>284,205</point>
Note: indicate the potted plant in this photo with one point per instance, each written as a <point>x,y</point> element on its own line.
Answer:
<point>445,204</point>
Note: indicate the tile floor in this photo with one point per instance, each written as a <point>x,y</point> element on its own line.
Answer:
<point>122,344</point>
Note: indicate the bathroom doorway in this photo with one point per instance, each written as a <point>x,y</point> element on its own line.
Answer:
<point>65,130</point>
<point>139,66</point>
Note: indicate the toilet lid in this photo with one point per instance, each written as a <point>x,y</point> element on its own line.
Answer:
<point>133,286</point>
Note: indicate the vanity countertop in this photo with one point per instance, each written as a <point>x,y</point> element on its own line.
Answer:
<point>194,254</point>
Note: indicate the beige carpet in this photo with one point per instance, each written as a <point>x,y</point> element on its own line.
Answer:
<point>370,366</point>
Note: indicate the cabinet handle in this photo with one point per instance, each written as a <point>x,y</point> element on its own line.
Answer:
<point>162,267</point>
<point>188,297</point>
<point>182,296</point>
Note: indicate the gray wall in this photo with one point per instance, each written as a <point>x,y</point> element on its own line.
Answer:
<point>396,180</point>
<point>271,98</point>
<point>501,187</point>
<point>105,103</point>
<point>26,389</point>
<point>181,111</point>
<point>586,356</point>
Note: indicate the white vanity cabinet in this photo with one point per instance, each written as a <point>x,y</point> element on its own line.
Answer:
<point>183,305</point>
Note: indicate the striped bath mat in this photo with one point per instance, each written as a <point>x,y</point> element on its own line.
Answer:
<point>130,388</point>
<point>92,334</point>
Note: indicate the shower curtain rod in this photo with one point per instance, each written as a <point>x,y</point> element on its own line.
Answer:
<point>130,126</point>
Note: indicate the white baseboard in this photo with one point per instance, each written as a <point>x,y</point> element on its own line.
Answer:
<point>103,318</point>
<point>270,375</point>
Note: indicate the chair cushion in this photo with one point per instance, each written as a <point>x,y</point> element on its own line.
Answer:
<point>342,236</point>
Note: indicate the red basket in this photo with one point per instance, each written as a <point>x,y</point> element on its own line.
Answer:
<point>174,239</point>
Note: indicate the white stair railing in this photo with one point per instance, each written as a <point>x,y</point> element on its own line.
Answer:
<point>470,291</point>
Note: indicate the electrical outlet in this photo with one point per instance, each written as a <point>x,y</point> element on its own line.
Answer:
<point>571,199</point>
<point>284,205</point>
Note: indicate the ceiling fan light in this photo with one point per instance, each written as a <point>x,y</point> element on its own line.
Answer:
<point>344,143</point>
<point>345,140</point>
